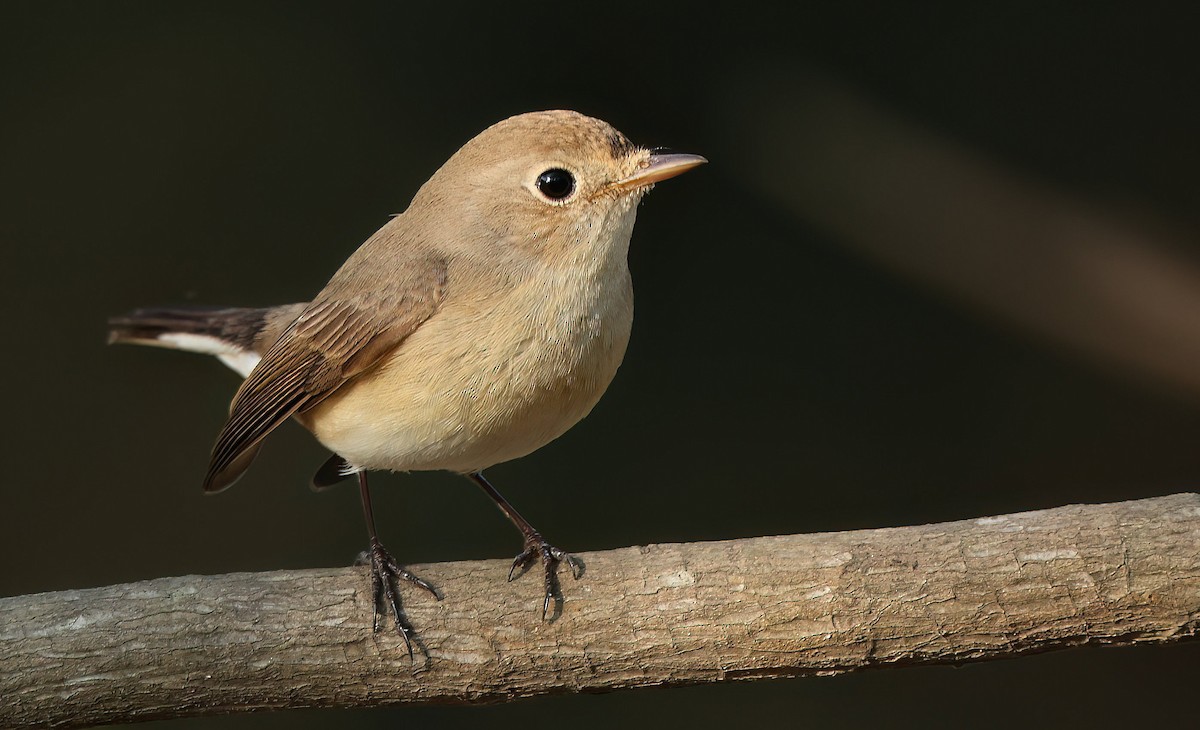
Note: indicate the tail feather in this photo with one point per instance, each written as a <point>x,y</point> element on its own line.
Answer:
<point>234,335</point>
<point>238,327</point>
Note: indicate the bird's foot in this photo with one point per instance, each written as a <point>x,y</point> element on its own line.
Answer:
<point>386,575</point>
<point>536,547</point>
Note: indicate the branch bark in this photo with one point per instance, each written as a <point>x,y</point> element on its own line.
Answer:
<point>1123,573</point>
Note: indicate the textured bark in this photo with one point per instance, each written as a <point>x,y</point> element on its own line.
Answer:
<point>994,587</point>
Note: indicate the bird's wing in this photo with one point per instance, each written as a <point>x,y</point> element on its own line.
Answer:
<point>334,339</point>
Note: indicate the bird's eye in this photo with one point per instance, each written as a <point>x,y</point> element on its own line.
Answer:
<point>556,184</point>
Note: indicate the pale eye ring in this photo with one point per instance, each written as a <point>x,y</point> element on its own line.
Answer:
<point>555,184</point>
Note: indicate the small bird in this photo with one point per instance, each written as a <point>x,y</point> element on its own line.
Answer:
<point>472,329</point>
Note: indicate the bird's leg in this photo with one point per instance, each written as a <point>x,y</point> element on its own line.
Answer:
<point>385,573</point>
<point>535,547</point>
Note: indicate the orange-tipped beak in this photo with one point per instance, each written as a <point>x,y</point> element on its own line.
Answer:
<point>661,167</point>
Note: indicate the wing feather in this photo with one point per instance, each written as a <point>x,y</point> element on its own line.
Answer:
<point>333,340</point>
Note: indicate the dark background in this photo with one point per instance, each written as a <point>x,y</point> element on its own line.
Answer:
<point>777,381</point>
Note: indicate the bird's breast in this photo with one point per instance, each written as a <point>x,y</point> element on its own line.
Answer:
<point>484,382</point>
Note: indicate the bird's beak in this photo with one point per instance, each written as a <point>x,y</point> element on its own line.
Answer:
<point>660,166</point>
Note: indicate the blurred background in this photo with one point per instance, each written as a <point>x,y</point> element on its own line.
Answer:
<point>943,264</point>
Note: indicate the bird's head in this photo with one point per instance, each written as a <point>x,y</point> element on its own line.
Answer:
<point>550,183</point>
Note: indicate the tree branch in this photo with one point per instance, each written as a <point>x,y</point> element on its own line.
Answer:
<point>1124,573</point>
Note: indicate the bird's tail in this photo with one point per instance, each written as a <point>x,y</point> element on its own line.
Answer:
<point>148,326</point>
<point>234,335</point>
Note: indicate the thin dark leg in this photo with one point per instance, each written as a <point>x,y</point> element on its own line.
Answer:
<point>364,495</point>
<point>385,572</point>
<point>535,547</point>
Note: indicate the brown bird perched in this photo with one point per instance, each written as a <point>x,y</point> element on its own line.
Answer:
<point>474,328</point>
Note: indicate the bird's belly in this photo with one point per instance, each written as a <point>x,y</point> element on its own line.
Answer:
<point>445,401</point>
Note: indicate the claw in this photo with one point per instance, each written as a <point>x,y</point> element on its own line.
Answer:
<point>521,563</point>
<point>385,574</point>
<point>537,547</point>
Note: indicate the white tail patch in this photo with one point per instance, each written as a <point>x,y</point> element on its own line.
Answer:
<point>239,360</point>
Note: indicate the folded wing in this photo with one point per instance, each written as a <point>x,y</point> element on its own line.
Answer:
<point>334,339</point>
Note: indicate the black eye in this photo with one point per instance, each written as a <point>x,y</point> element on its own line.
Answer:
<point>556,184</point>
